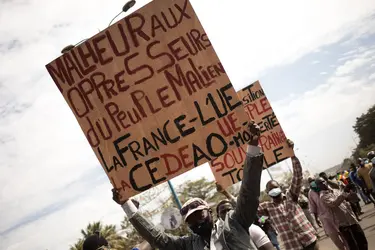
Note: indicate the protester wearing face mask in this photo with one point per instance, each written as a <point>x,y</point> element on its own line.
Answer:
<point>198,215</point>
<point>319,210</point>
<point>286,215</point>
<point>342,214</point>
<point>258,237</point>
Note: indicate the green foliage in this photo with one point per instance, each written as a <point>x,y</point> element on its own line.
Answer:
<point>107,231</point>
<point>365,129</point>
<point>201,188</point>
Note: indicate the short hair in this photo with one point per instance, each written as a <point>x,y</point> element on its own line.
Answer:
<point>271,181</point>
<point>322,174</point>
<point>93,242</point>
<point>222,203</point>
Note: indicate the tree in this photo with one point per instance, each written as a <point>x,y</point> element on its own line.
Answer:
<point>201,188</point>
<point>345,165</point>
<point>365,129</point>
<point>78,245</point>
<point>106,231</point>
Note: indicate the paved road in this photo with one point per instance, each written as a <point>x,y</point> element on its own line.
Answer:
<point>367,224</point>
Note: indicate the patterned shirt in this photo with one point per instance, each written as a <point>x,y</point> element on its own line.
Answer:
<point>288,218</point>
<point>339,209</point>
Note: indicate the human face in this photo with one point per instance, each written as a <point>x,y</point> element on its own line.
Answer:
<point>224,209</point>
<point>200,222</point>
<point>274,185</point>
<point>321,184</point>
<point>324,176</point>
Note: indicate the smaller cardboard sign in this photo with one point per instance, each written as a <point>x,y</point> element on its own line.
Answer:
<point>228,168</point>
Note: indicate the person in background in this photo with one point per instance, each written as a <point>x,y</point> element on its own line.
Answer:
<point>319,210</point>
<point>360,184</point>
<point>363,172</point>
<point>95,242</point>
<point>257,235</point>
<point>340,210</point>
<point>264,223</point>
<point>303,202</point>
<point>353,200</point>
<point>331,183</point>
<point>286,215</point>
<point>371,157</point>
<point>198,215</point>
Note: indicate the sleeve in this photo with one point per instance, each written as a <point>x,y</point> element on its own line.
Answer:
<point>258,236</point>
<point>297,178</point>
<point>331,200</point>
<point>262,209</point>
<point>313,206</point>
<point>152,234</point>
<point>359,174</point>
<point>248,199</point>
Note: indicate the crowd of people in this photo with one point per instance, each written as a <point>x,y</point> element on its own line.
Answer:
<point>241,223</point>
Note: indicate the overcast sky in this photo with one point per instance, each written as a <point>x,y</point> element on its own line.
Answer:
<point>315,60</point>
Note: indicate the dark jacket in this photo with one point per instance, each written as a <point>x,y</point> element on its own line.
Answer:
<point>235,235</point>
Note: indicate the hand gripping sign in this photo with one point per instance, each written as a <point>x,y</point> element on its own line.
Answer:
<point>227,168</point>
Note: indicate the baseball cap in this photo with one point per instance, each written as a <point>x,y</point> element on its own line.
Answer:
<point>93,242</point>
<point>193,205</point>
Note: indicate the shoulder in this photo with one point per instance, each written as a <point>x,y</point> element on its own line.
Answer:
<point>265,204</point>
<point>255,230</point>
<point>258,236</point>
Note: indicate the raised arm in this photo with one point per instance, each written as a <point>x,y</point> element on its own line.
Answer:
<point>295,187</point>
<point>248,199</point>
<point>333,201</point>
<point>156,237</point>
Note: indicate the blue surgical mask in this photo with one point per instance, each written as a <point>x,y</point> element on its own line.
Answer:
<point>274,192</point>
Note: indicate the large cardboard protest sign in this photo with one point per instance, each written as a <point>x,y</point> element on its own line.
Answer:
<point>228,168</point>
<point>151,96</point>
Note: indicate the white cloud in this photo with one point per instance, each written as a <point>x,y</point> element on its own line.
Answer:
<point>372,76</point>
<point>45,160</point>
<point>323,73</point>
<point>315,62</point>
<point>351,65</point>
<point>322,118</point>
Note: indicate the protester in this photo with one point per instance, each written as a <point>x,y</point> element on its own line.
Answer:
<point>257,235</point>
<point>286,215</point>
<point>371,157</point>
<point>353,200</point>
<point>198,215</point>
<point>303,202</point>
<point>95,242</point>
<point>264,223</point>
<point>330,183</point>
<point>319,210</point>
<point>363,172</point>
<point>343,215</point>
<point>360,184</point>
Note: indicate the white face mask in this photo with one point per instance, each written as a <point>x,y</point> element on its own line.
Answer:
<point>274,192</point>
